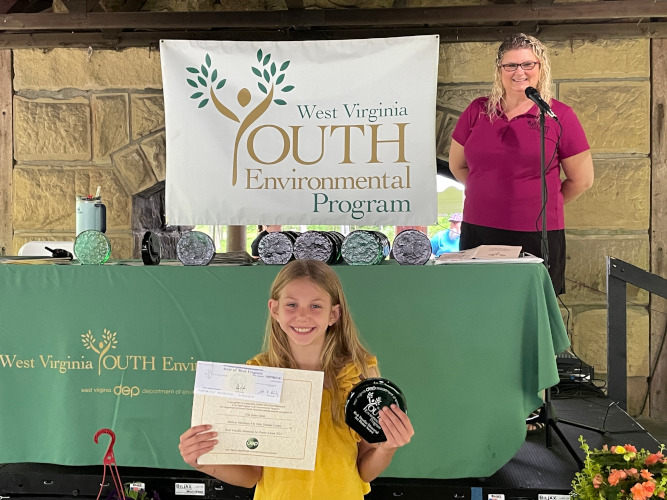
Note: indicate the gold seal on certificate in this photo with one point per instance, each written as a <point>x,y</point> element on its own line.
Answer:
<point>364,403</point>
<point>263,416</point>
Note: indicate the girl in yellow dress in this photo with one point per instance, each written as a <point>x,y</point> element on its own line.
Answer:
<point>310,328</point>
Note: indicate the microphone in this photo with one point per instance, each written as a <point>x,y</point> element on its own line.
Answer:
<point>534,95</point>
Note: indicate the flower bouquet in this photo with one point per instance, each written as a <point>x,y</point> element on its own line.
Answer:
<point>620,473</point>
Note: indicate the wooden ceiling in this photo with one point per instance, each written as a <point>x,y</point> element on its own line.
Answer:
<point>121,23</point>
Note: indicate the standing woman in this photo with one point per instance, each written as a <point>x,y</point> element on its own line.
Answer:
<point>495,153</point>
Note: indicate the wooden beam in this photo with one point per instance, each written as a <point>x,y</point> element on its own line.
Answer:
<point>6,153</point>
<point>123,39</point>
<point>658,231</point>
<point>339,18</point>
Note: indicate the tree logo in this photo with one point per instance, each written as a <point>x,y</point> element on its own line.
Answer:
<point>100,348</point>
<point>270,78</point>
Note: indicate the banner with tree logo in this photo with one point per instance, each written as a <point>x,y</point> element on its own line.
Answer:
<point>313,132</point>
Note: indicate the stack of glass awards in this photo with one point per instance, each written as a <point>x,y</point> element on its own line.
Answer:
<point>412,247</point>
<point>277,248</point>
<point>319,245</point>
<point>365,248</point>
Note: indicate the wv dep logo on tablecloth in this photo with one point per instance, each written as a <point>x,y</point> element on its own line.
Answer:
<point>301,132</point>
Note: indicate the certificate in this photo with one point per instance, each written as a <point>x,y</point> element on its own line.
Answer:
<point>263,416</point>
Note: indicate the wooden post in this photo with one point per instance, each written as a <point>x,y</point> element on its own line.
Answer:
<point>6,153</point>
<point>658,226</point>
<point>236,238</point>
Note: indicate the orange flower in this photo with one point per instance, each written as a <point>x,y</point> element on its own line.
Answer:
<point>638,492</point>
<point>661,494</point>
<point>629,448</point>
<point>598,480</point>
<point>649,488</point>
<point>646,474</point>
<point>654,458</point>
<point>615,476</point>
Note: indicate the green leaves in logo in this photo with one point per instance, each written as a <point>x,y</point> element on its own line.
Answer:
<point>204,77</point>
<point>267,75</point>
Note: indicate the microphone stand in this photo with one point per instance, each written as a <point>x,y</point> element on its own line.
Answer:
<point>543,177</point>
<point>550,417</point>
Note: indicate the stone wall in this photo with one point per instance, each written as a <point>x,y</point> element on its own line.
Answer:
<point>85,118</point>
<point>82,119</point>
<point>607,82</point>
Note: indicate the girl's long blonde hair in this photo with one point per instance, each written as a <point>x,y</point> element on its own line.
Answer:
<point>341,344</point>
<point>496,102</point>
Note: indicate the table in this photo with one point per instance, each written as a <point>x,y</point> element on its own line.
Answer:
<point>88,347</point>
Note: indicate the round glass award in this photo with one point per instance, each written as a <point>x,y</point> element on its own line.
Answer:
<point>278,247</point>
<point>412,247</point>
<point>363,405</point>
<point>151,250</point>
<point>365,248</point>
<point>195,249</point>
<point>319,245</point>
<point>92,247</point>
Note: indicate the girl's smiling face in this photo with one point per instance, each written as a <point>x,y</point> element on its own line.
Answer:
<point>304,312</point>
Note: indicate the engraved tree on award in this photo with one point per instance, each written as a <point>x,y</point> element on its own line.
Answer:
<point>270,77</point>
<point>108,342</point>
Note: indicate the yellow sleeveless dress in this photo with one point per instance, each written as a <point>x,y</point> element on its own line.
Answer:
<point>336,476</point>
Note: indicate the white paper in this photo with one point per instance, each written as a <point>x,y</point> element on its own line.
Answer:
<point>251,383</point>
<point>265,434</point>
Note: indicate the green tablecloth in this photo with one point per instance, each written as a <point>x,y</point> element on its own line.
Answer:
<point>87,347</point>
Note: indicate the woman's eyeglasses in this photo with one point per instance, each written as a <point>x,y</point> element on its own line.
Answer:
<point>526,66</point>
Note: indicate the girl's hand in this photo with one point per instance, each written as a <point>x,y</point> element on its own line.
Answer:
<point>195,442</point>
<point>396,426</point>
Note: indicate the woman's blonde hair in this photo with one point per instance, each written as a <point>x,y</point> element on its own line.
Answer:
<point>341,344</point>
<point>496,102</point>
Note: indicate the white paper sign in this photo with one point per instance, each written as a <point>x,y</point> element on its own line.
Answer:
<point>303,132</point>
<point>252,383</point>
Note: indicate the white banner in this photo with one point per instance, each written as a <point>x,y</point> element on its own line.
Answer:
<point>314,132</point>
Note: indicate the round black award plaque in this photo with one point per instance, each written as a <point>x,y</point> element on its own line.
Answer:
<point>151,251</point>
<point>364,403</point>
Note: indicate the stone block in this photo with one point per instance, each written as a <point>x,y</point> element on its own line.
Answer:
<point>147,114</point>
<point>586,271</point>
<point>133,169</point>
<point>114,195</point>
<point>620,198</point>
<point>44,198</point>
<point>110,125</point>
<point>121,245</point>
<point>155,150</point>
<point>51,129</point>
<point>98,69</point>
<point>450,103</point>
<point>583,59</point>
<point>615,115</point>
<point>589,340</point>
<point>467,62</point>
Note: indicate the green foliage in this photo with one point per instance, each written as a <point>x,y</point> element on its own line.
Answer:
<point>620,473</point>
